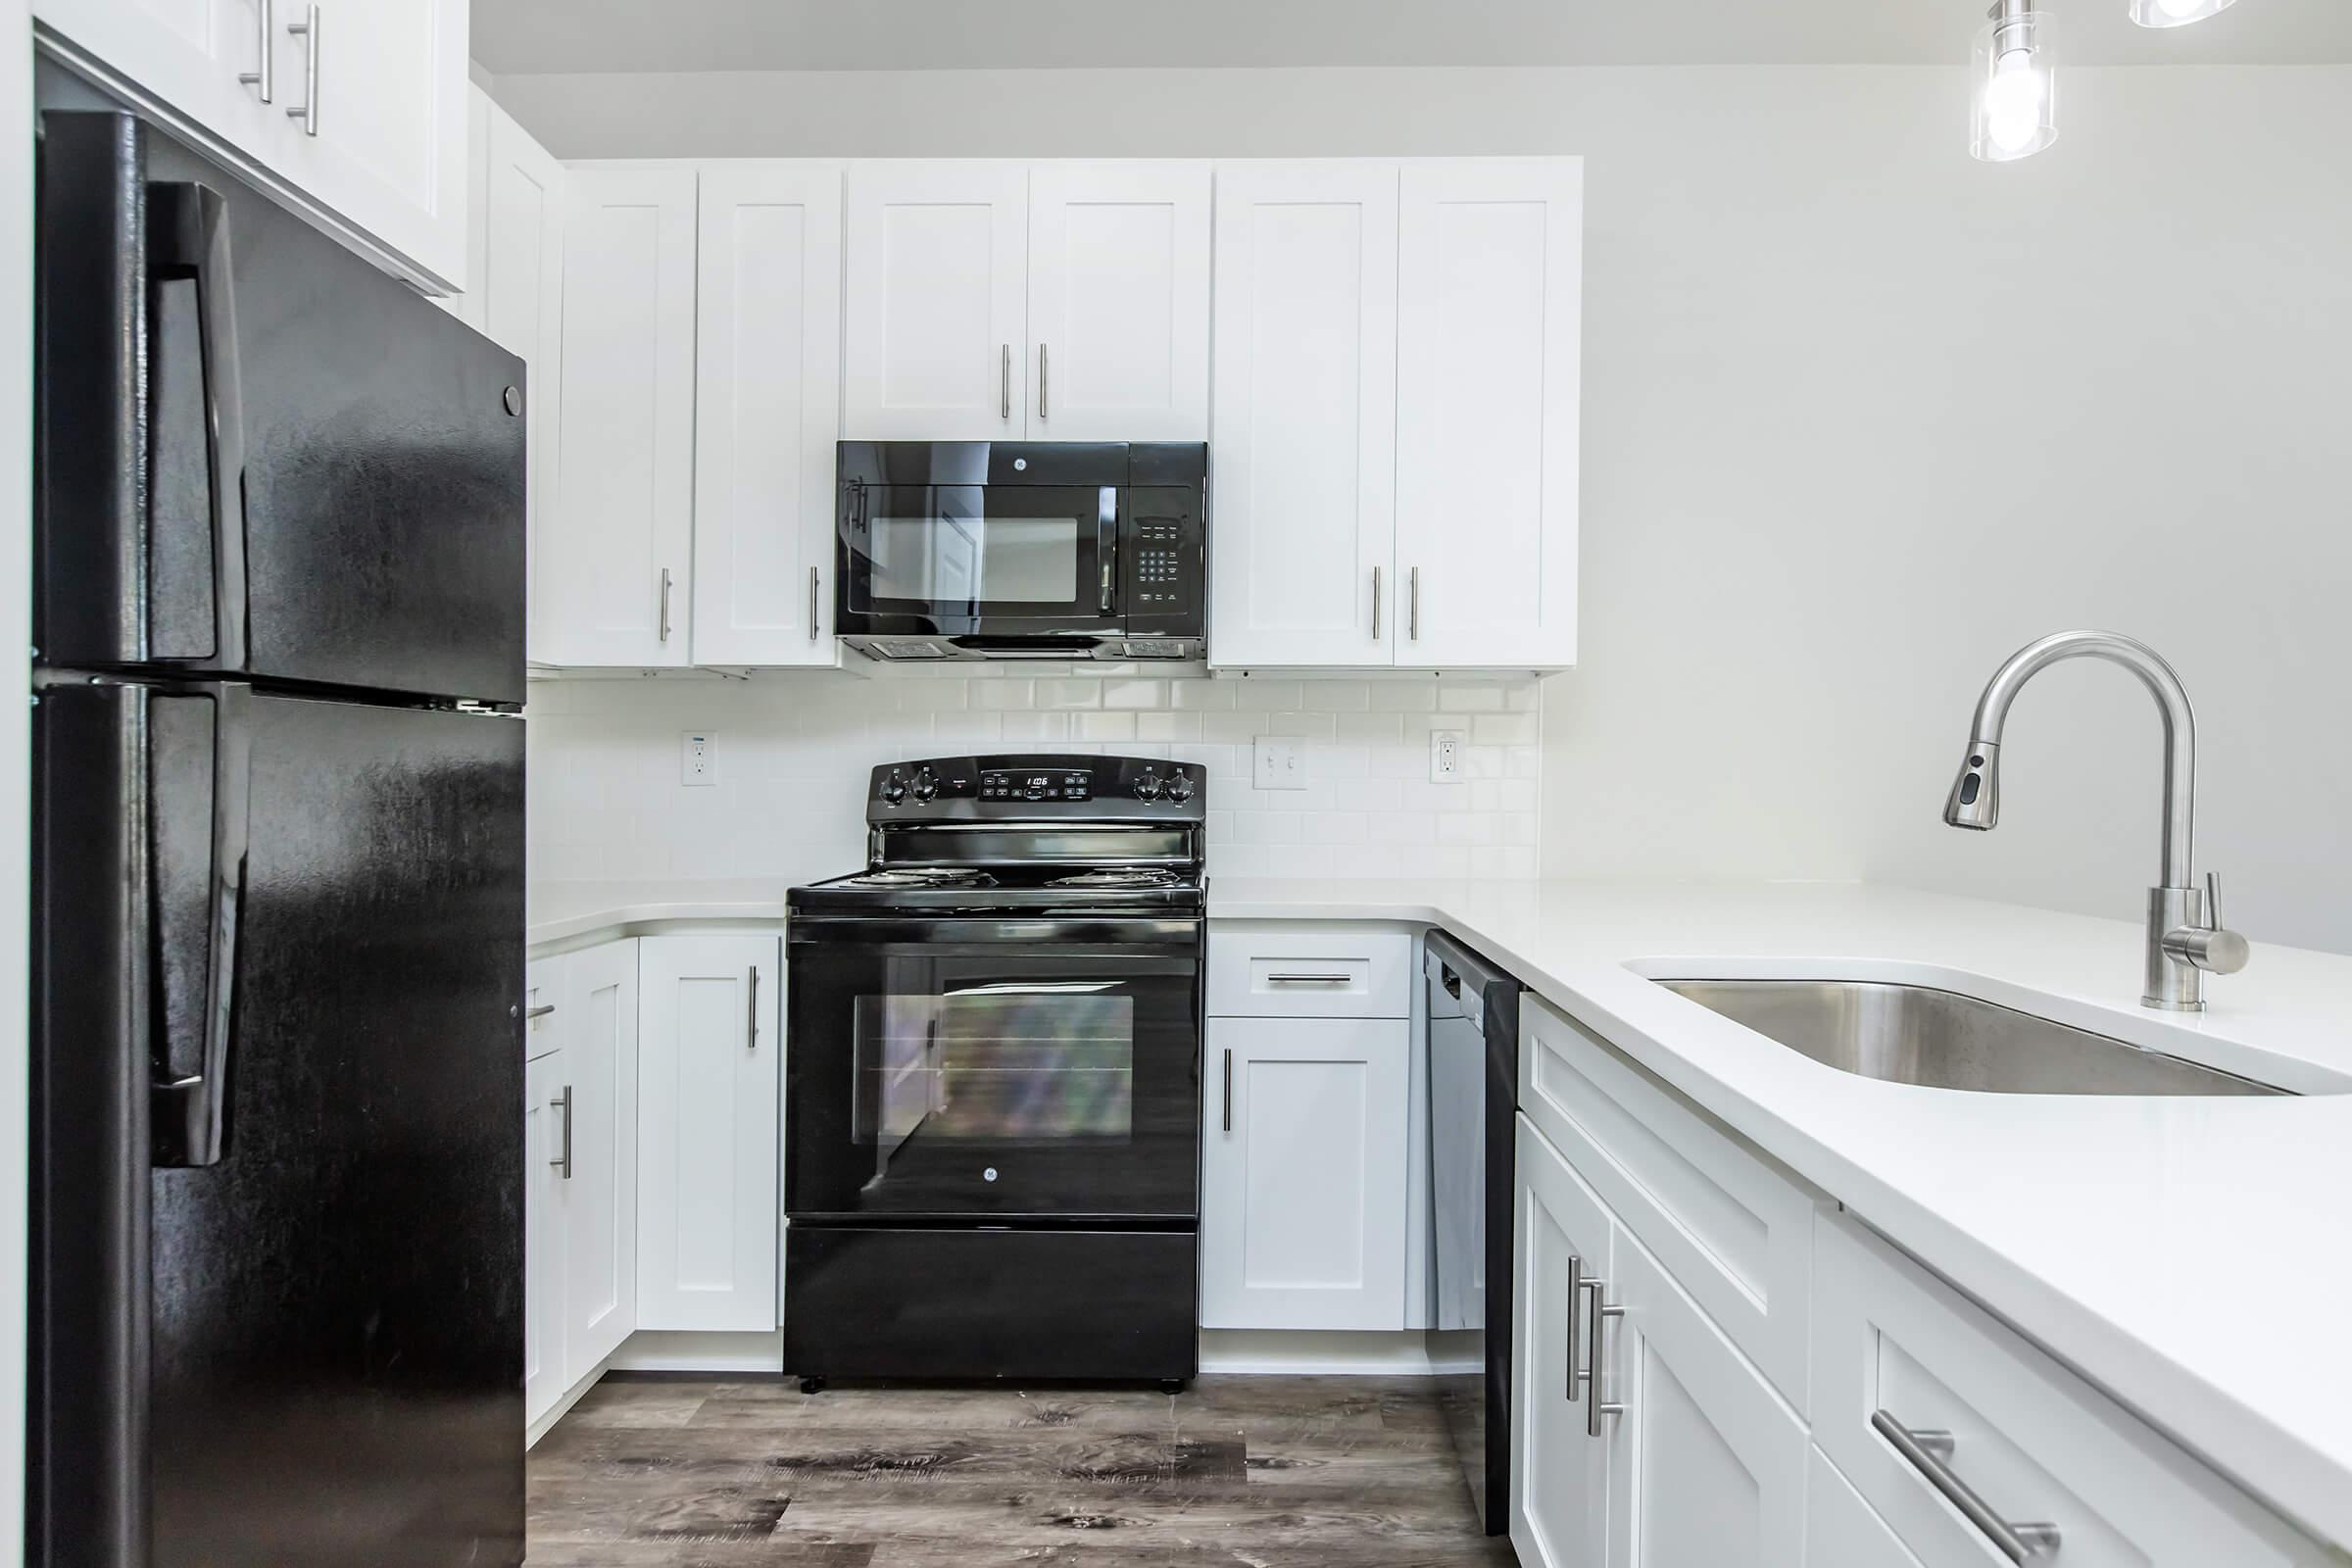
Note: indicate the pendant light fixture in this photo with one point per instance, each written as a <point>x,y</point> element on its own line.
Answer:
<point>2175,13</point>
<point>2012,104</point>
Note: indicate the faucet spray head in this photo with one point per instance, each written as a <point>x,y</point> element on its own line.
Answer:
<point>1976,797</point>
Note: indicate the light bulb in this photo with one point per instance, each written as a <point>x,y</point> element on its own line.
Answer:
<point>2175,13</point>
<point>2012,103</point>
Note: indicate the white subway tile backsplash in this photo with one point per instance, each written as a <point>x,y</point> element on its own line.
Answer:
<point>794,751</point>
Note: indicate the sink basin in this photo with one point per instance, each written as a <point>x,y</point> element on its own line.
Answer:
<point>1943,1040</point>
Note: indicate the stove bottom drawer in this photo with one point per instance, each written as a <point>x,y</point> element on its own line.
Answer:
<point>951,1305</point>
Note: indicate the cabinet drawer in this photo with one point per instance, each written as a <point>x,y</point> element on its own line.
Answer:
<point>542,1008</point>
<point>1309,971</point>
<point>2033,1442</point>
<point>1734,1230</point>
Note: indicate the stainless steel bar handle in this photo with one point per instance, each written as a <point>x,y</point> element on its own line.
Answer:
<point>307,30</point>
<point>1376,604</point>
<point>1229,1090</point>
<point>812,603</point>
<point>1928,1451</point>
<point>563,1102</point>
<point>1414,621</point>
<point>1004,384</point>
<point>1596,1316</point>
<point>1308,979</point>
<point>664,626</point>
<point>264,77</point>
<point>750,1022</point>
<point>540,1011</point>
<point>1040,380</point>
<point>1576,1290</point>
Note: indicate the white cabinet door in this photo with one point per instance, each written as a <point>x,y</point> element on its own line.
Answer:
<point>613,565</point>
<point>1304,415</point>
<point>767,411</point>
<point>1302,1203</point>
<point>1842,1531</point>
<point>388,153</point>
<point>596,1200</point>
<point>937,299</point>
<point>709,1124</point>
<point>1488,278</point>
<point>466,304</point>
<point>542,1235</point>
<point>1707,1465</point>
<point>1559,1469</point>
<point>520,287</point>
<point>1118,302</point>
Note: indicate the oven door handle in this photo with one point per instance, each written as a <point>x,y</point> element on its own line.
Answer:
<point>1138,944</point>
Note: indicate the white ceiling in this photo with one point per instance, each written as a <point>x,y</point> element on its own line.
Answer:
<point>546,35</point>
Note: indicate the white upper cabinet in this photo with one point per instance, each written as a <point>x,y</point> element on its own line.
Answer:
<point>937,301</point>
<point>358,107</point>
<point>1303,416</point>
<point>612,570</point>
<point>520,289</point>
<point>1489,267</point>
<point>767,411</point>
<point>1118,302</point>
<point>709,1115</point>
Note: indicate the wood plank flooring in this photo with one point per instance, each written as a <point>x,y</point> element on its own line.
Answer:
<point>1267,1472</point>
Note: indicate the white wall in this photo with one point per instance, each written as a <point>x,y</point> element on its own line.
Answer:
<point>795,751</point>
<point>1861,416</point>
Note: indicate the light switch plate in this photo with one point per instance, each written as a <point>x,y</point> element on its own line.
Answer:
<point>698,757</point>
<point>1279,763</point>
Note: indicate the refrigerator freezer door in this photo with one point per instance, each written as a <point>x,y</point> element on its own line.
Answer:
<point>258,456</point>
<point>307,1352</point>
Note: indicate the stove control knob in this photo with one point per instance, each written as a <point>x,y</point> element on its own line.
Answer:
<point>1146,788</point>
<point>1180,788</point>
<point>894,789</point>
<point>925,785</point>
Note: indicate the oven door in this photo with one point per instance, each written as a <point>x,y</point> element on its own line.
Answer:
<point>979,561</point>
<point>993,1070</point>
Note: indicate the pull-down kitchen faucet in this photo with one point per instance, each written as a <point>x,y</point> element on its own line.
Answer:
<point>2185,936</point>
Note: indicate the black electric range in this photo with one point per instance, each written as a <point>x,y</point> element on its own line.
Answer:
<point>992,1078</point>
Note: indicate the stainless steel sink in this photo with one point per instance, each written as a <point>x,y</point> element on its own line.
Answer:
<point>1943,1040</point>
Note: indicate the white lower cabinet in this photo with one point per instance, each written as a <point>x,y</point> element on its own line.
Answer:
<point>592,1136</point>
<point>1303,1190</point>
<point>1708,1465</point>
<point>1559,1468</point>
<point>708,1132</point>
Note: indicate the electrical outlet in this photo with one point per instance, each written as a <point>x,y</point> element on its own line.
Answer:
<point>1279,763</point>
<point>1446,756</point>
<point>698,760</point>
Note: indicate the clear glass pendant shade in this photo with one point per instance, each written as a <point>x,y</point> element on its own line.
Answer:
<point>2013,106</point>
<point>2175,13</point>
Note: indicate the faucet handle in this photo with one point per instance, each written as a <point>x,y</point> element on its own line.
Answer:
<point>2208,945</point>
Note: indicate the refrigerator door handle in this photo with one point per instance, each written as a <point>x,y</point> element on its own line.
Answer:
<point>188,1112</point>
<point>187,235</point>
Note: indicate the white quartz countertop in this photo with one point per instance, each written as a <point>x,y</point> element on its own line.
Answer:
<point>2192,1256</point>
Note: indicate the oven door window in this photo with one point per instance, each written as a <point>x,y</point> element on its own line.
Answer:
<point>964,553</point>
<point>950,1080</point>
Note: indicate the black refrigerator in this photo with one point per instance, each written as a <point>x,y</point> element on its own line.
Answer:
<point>278,881</point>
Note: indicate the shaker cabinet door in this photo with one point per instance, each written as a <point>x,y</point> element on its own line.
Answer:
<point>1489,277</point>
<point>597,1198</point>
<point>708,1126</point>
<point>1118,302</point>
<point>767,412</point>
<point>543,1380</point>
<point>1561,1235</point>
<point>1303,1205</point>
<point>1303,406</point>
<point>937,301</point>
<point>611,573</point>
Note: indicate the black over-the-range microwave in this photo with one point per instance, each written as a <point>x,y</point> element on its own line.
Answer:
<point>1058,550</point>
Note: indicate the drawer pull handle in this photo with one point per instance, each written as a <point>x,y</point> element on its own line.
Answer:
<point>540,1011</point>
<point>1308,979</point>
<point>1596,1316</point>
<point>1229,1090</point>
<point>1930,1451</point>
<point>1576,1294</point>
